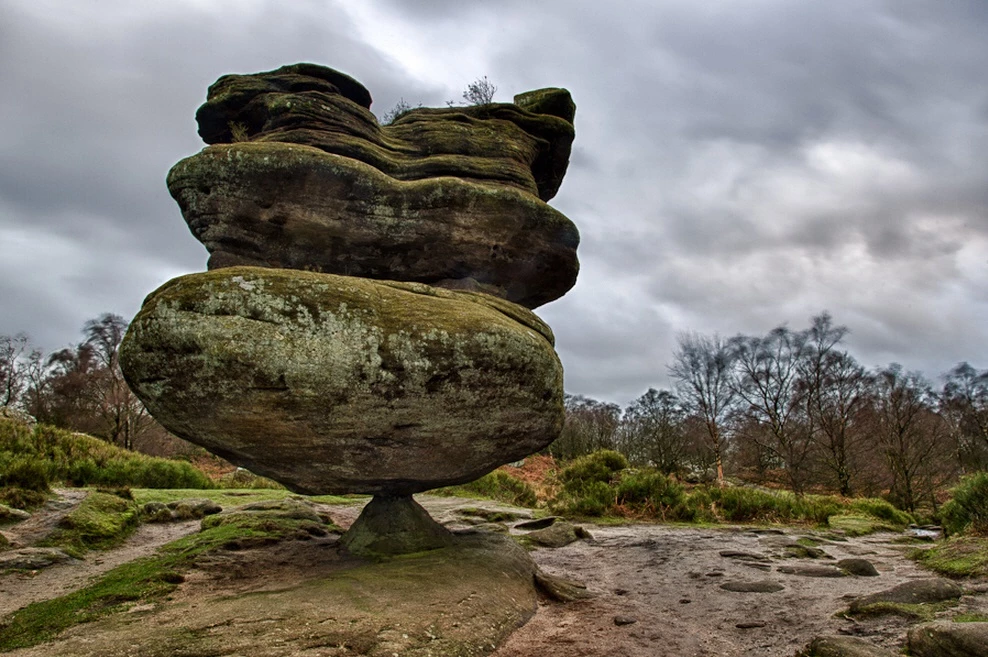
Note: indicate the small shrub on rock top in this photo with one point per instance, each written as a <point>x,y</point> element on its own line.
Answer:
<point>480,92</point>
<point>967,509</point>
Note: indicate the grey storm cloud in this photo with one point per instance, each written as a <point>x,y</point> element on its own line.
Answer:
<point>737,165</point>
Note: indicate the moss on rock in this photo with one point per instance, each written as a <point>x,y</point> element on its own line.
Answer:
<point>334,384</point>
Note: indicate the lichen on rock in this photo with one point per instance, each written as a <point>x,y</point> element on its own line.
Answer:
<point>333,384</point>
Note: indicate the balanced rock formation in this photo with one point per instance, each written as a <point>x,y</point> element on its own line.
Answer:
<point>364,326</point>
<point>337,384</point>
<point>301,176</point>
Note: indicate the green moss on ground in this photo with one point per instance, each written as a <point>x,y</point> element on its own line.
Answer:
<point>859,525</point>
<point>232,497</point>
<point>101,521</point>
<point>959,556</point>
<point>924,612</point>
<point>144,580</point>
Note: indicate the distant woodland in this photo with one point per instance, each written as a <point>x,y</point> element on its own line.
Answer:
<point>791,409</point>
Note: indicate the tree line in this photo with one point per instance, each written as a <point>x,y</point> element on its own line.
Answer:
<point>794,408</point>
<point>81,387</point>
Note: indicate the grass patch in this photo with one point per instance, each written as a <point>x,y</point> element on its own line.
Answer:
<point>101,521</point>
<point>33,459</point>
<point>144,580</point>
<point>860,525</point>
<point>970,618</point>
<point>230,497</point>
<point>958,556</point>
<point>497,485</point>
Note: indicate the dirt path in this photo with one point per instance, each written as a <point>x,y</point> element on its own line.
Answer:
<point>667,582</point>
<point>43,521</point>
<point>18,589</point>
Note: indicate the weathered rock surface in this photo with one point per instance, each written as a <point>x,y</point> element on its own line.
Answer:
<point>556,535</point>
<point>334,384</point>
<point>843,646</point>
<point>947,639</point>
<point>32,558</point>
<point>460,600</point>
<point>9,514</point>
<point>920,591</point>
<point>812,571</point>
<point>858,567</point>
<point>394,525</point>
<point>452,197</point>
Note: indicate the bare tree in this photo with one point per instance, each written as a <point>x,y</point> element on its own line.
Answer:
<point>836,390</point>
<point>768,383</point>
<point>912,435</point>
<point>702,367</point>
<point>652,432</point>
<point>480,92</point>
<point>837,406</point>
<point>83,388</point>
<point>964,403</point>
<point>590,426</point>
<point>15,356</point>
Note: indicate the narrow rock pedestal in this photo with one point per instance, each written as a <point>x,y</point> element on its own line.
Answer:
<point>390,526</point>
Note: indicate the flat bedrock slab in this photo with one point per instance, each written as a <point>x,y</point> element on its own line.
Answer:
<point>333,384</point>
<point>464,599</point>
<point>294,206</point>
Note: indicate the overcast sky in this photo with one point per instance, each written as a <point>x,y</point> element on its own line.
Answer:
<point>737,164</point>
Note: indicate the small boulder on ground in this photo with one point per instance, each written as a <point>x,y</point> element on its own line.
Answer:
<point>812,571</point>
<point>9,514</point>
<point>743,556</point>
<point>559,589</point>
<point>842,646</point>
<point>194,508</point>
<point>948,639</point>
<point>764,586</point>
<point>31,558</point>
<point>919,591</point>
<point>556,535</point>
<point>859,567</point>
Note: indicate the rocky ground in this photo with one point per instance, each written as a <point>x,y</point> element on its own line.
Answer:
<point>656,590</point>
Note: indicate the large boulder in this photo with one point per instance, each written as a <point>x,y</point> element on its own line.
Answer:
<point>297,207</point>
<point>947,639</point>
<point>453,197</point>
<point>913,592</point>
<point>333,384</point>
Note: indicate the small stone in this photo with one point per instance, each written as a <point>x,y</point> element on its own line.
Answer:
<point>812,571</point>
<point>765,586</point>
<point>859,567</point>
<point>624,620</point>
<point>750,625</point>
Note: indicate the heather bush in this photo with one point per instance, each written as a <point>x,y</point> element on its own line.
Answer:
<point>967,509</point>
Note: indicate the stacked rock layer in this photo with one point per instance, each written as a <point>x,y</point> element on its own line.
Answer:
<point>365,324</point>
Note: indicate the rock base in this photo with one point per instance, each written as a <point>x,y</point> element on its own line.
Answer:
<point>463,599</point>
<point>391,526</point>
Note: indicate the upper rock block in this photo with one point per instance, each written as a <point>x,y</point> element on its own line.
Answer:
<point>461,189</point>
